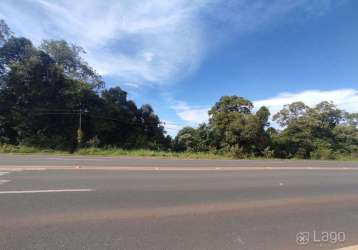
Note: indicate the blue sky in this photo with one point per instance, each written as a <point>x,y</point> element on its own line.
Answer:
<point>182,55</point>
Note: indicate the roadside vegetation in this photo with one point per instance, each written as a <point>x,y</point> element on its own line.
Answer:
<point>12,149</point>
<point>52,101</point>
<point>147,153</point>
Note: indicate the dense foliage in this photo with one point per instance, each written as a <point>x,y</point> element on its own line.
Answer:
<point>321,132</point>
<point>45,90</point>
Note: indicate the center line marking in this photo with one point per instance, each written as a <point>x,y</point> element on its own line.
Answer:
<point>349,248</point>
<point>4,181</point>
<point>46,191</point>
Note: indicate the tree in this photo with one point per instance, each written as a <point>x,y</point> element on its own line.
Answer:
<point>43,92</point>
<point>14,51</point>
<point>31,85</point>
<point>313,132</point>
<point>68,56</point>
<point>231,104</point>
<point>290,113</point>
<point>195,140</point>
<point>235,128</point>
<point>327,113</point>
<point>346,139</point>
<point>5,32</point>
<point>263,115</point>
<point>186,139</point>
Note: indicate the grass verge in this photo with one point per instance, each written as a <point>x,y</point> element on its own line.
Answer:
<point>11,149</point>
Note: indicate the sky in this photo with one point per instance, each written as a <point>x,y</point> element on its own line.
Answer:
<point>181,56</point>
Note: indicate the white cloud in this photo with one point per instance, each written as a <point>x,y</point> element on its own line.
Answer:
<point>191,115</point>
<point>131,85</point>
<point>148,56</point>
<point>194,115</point>
<point>147,41</point>
<point>346,99</point>
<point>171,127</point>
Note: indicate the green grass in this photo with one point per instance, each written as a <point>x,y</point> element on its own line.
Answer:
<point>150,153</point>
<point>11,149</point>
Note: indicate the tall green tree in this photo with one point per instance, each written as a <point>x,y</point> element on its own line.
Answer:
<point>317,132</point>
<point>31,85</point>
<point>50,97</point>
<point>69,57</point>
<point>236,127</point>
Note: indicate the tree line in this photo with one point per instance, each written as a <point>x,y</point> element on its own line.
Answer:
<point>320,132</point>
<point>51,98</point>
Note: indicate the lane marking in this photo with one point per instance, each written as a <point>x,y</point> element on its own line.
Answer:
<point>46,191</point>
<point>19,169</point>
<point>355,247</point>
<point>4,181</point>
<point>176,168</point>
<point>3,173</point>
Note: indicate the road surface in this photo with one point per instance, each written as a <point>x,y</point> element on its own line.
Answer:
<point>49,202</point>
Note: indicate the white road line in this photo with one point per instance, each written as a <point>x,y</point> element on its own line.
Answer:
<point>19,169</point>
<point>166,168</point>
<point>349,248</point>
<point>46,191</point>
<point>3,173</point>
<point>4,181</point>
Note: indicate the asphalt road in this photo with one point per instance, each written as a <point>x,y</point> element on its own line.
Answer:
<point>53,161</point>
<point>71,203</point>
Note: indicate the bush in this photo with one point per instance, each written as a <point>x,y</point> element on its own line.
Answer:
<point>268,153</point>
<point>323,154</point>
<point>45,142</point>
<point>237,152</point>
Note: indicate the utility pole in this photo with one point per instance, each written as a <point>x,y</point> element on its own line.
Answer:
<point>80,127</point>
<point>79,131</point>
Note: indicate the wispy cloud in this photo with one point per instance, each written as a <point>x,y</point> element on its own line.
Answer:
<point>191,115</point>
<point>150,41</point>
<point>346,99</point>
<point>143,42</point>
<point>187,115</point>
<point>131,85</point>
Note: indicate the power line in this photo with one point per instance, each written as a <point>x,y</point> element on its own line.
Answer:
<point>56,113</point>
<point>81,112</point>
